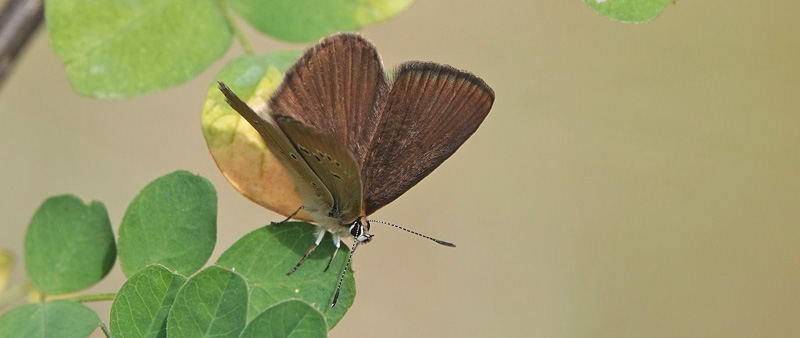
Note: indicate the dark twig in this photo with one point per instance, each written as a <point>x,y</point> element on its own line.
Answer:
<point>18,20</point>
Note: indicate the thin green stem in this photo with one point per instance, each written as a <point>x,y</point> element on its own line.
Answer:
<point>20,290</point>
<point>92,298</point>
<point>14,293</point>
<point>236,31</point>
<point>105,330</point>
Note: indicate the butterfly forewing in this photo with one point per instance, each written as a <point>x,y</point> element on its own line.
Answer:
<point>311,189</point>
<point>336,88</point>
<point>430,111</point>
<point>332,164</point>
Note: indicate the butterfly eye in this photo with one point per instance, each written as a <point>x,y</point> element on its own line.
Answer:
<point>360,234</point>
<point>356,229</point>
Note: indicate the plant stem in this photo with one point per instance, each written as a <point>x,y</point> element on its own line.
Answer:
<point>105,330</point>
<point>20,290</point>
<point>92,298</point>
<point>236,31</point>
<point>18,21</point>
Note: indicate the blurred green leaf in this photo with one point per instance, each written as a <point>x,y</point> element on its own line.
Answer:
<point>118,49</point>
<point>6,266</point>
<point>173,221</point>
<point>69,245</point>
<point>309,20</point>
<point>245,74</point>
<point>629,10</point>
<point>57,319</point>
<point>141,306</point>
<point>265,255</point>
<point>212,303</point>
<point>292,318</point>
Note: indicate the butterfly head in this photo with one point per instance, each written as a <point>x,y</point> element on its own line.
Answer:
<point>360,230</point>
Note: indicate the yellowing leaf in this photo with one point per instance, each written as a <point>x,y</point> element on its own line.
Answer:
<point>6,266</point>
<point>236,147</point>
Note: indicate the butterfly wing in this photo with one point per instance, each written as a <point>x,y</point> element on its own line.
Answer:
<point>332,164</point>
<point>311,189</point>
<point>430,111</point>
<point>336,88</point>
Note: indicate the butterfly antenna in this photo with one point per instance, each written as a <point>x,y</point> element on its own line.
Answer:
<point>445,243</point>
<point>344,271</point>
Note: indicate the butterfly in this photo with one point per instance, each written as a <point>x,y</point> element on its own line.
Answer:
<point>353,141</point>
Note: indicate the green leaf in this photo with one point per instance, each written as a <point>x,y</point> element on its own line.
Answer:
<point>173,221</point>
<point>265,255</point>
<point>69,245</point>
<point>246,74</point>
<point>292,318</point>
<point>212,303</point>
<point>117,49</point>
<point>309,20</point>
<point>629,10</point>
<point>57,319</point>
<point>141,306</point>
<point>237,148</point>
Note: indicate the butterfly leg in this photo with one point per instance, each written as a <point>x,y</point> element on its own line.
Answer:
<point>320,233</point>
<point>290,216</point>
<point>336,242</point>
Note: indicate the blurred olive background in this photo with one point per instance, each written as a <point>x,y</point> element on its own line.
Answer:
<point>632,180</point>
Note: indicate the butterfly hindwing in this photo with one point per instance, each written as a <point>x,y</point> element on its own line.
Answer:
<point>430,111</point>
<point>310,188</point>
<point>332,164</point>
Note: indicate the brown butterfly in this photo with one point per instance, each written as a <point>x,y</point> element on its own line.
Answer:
<point>352,142</point>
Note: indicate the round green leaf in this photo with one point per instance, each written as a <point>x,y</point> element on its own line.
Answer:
<point>629,10</point>
<point>173,221</point>
<point>246,74</point>
<point>117,49</point>
<point>292,318</point>
<point>212,303</point>
<point>57,319</point>
<point>309,20</point>
<point>264,256</point>
<point>69,245</point>
<point>141,306</point>
<point>237,148</point>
